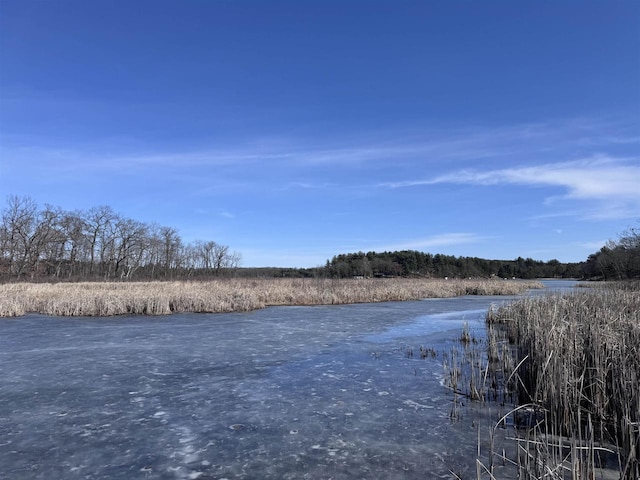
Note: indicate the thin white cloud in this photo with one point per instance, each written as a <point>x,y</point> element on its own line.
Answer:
<point>434,241</point>
<point>469,143</point>
<point>583,179</point>
<point>307,186</point>
<point>211,212</point>
<point>454,144</point>
<point>610,182</point>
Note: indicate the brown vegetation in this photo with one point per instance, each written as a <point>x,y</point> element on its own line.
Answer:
<point>230,295</point>
<point>578,377</point>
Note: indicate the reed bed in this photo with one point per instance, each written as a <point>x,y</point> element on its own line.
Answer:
<point>577,380</point>
<point>230,295</point>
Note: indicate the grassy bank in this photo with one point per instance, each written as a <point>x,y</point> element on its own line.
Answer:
<point>230,295</point>
<point>577,378</point>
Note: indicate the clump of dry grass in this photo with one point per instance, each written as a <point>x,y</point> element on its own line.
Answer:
<point>230,295</point>
<point>12,301</point>
<point>578,381</point>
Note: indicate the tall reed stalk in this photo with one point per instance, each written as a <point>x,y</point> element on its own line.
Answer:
<point>578,375</point>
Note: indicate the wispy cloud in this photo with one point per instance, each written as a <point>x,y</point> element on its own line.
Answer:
<point>427,145</point>
<point>529,140</point>
<point>434,241</point>
<point>607,182</point>
<point>611,181</point>
<point>303,185</point>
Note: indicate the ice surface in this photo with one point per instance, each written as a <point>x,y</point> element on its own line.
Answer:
<point>291,392</point>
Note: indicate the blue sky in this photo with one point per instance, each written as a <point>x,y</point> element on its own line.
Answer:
<point>295,131</point>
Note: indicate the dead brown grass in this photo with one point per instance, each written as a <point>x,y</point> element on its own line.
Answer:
<point>579,375</point>
<point>231,295</point>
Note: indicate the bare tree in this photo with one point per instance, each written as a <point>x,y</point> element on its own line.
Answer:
<point>57,243</point>
<point>19,224</point>
<point>211,257</point>
<point>171,246</point>
<point>28,232</point>
<point>77,244</point>
<point>48,246</point>
<point>98,221</point>
<point>129,248</point>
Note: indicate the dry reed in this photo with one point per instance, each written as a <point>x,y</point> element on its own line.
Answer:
<point>230,295</point>
<point>578,382</point>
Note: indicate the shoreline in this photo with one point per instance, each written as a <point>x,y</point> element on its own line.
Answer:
<point>92,299</point>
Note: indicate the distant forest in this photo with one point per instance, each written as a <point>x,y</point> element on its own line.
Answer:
<point>414,263</point>
<point>51,244</point>
<point>618,260</point>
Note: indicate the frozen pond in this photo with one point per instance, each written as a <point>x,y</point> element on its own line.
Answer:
<point>286,392</point>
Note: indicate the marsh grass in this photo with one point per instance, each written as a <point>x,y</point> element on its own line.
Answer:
<point>230,295</point>
<point>577,382</point>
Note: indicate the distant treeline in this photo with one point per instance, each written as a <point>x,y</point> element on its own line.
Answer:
<point>414,263</point>
<point>618,260</point>
<point>410,263</point>
<point>50,243</point>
